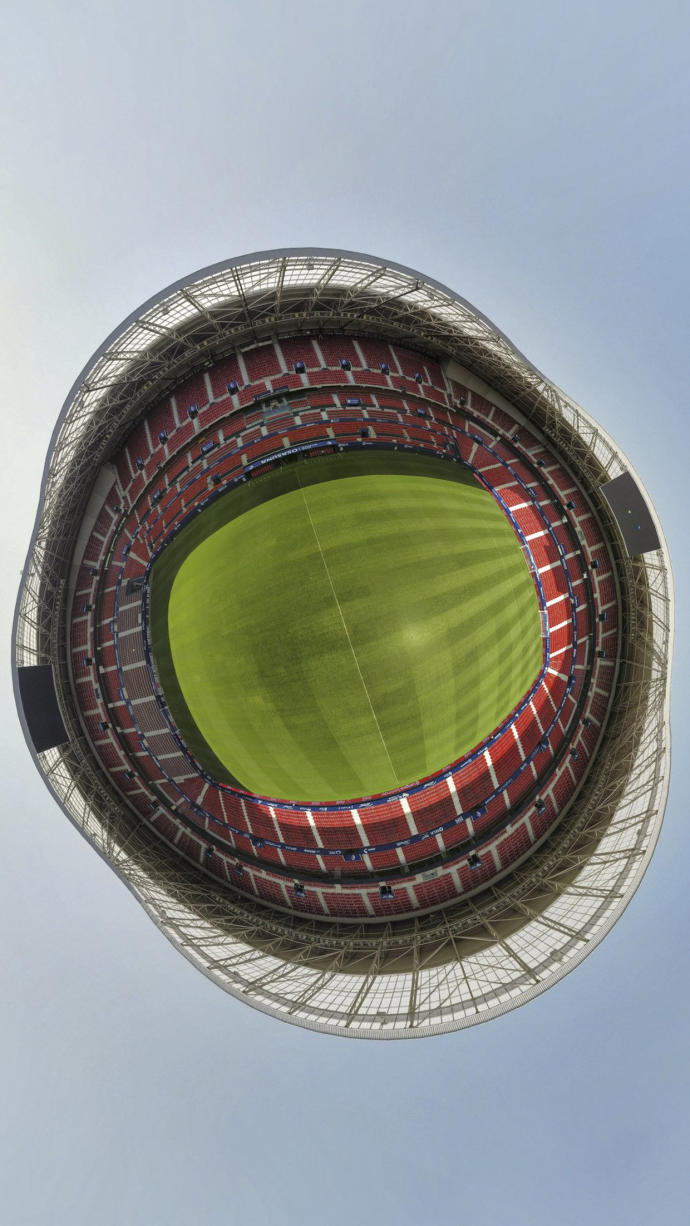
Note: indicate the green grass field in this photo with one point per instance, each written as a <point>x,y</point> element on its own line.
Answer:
<point>344,626</point>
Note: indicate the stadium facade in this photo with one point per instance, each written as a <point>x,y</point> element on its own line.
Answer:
<point>430,906</point>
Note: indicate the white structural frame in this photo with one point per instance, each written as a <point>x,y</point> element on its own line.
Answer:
<point>488,954</point>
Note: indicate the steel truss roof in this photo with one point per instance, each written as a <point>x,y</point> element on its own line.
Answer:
<point>450,968</point>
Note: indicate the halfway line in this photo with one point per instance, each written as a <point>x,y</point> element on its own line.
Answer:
<point>347,633</point>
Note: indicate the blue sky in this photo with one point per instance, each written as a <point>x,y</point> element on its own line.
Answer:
<point>535,158</point>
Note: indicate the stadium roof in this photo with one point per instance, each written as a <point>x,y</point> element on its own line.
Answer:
<point>451,968</point>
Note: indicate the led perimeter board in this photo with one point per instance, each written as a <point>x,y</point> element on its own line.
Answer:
<point>344,637</point>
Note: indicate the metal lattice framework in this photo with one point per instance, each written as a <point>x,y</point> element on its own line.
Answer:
<point>450,968</point>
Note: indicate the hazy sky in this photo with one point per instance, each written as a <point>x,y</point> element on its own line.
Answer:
<point>534,157</point>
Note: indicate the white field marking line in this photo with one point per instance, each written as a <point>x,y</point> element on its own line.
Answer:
<point>347,634</point>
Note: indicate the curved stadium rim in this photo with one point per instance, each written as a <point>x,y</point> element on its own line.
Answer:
<point>161,885</point>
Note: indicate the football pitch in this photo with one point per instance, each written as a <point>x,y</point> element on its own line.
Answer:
<point>343,626</point>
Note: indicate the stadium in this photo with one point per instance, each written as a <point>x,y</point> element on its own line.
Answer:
<point>344,637</point>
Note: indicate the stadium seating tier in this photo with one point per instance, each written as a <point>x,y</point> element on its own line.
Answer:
<point>452,834</point>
